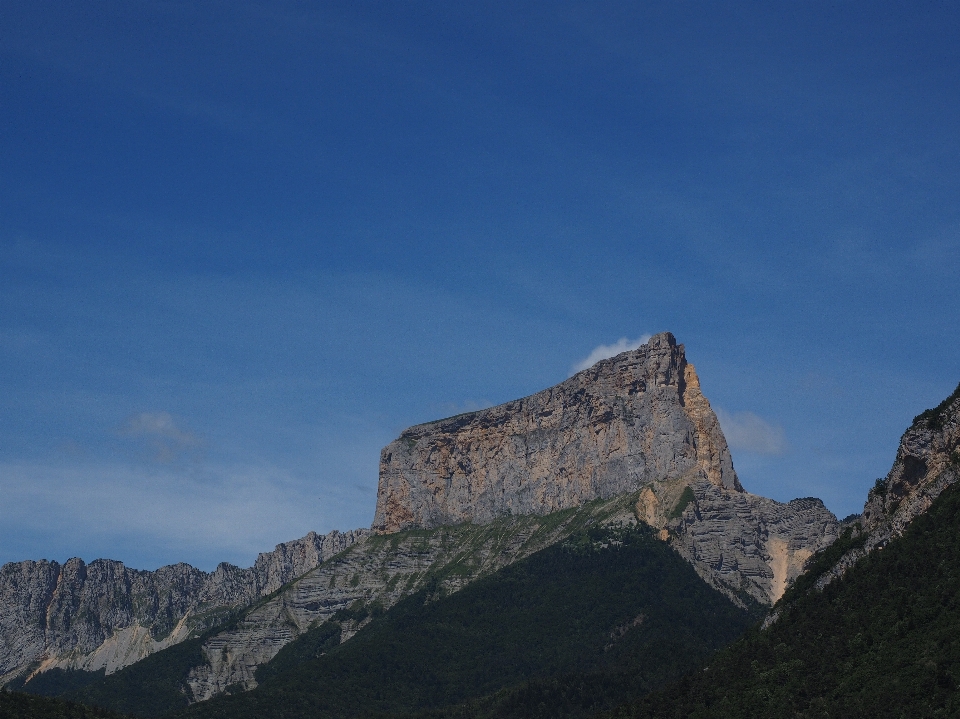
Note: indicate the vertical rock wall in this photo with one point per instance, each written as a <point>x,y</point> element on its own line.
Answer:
<point>608,430</point>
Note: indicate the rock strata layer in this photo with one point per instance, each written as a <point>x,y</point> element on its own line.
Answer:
<point>104,615</point>
<point>606,431</point>
<point>744,544</point>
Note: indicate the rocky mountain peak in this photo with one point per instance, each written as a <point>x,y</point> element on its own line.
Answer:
<point>608,430</point>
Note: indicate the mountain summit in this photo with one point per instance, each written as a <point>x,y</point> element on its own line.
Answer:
<point>629,440</point>
<point>608,430</point>
<point>636,423</point>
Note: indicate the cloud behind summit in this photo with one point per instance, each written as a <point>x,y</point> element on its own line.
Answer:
<point>749,432</point>
<point>602,352</point>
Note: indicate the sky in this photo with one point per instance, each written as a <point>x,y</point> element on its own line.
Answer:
<point>243,245</point>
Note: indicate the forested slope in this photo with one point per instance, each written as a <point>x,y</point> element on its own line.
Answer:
<point>615,605</point>
<point>881,641</point>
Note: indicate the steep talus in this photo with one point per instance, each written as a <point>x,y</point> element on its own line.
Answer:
<point>104,615</point>
<point>606,431</point>
<point>742,543</point>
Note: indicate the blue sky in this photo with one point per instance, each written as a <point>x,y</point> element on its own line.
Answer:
<point>243,245</point>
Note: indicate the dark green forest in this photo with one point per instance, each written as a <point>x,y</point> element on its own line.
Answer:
<point>612,612</point>
<point>17,705</point>
<point>882,641</point>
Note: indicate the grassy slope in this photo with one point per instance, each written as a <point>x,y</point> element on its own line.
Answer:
<point>883,641</point>
<point>616,606</point>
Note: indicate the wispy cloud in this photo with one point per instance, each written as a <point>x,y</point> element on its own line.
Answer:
<point>749,432</point>
<point>604,351</point>
<point>160,433</point>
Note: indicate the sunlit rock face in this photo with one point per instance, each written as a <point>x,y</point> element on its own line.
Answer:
<point>636,418</point>
<point>637,422</point>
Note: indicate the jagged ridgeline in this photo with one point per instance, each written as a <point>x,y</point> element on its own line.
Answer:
<point>103,616</point>
<point>871,628</point>
<point>631,439</point>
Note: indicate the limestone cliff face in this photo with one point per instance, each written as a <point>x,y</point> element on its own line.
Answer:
<point>927,461</point>
<point>104,615</point>
<point>607,431</point>
<point>744,544</point>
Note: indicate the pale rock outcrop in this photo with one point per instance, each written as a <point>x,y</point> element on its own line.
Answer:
<point>744,544</point>
<point>606,431</point>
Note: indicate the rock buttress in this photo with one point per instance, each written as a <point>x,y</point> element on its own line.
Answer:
<point>608,430</point>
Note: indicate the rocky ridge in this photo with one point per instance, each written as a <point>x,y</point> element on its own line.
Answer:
<point>630,439</point>
<point>104,615</point>
<point>749,547</point>
<point>927,462</point>
<point>743,544</point>
<point>375,573</point>
<point>634,422</point>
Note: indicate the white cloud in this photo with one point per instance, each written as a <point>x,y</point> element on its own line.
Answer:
<point>747,431</point>
<point>161,434</point>
<point>604,351</point>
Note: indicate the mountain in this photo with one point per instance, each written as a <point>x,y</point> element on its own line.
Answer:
<point>630,439</point>
<point>349,590</point>
<point>627,421</point>
<point>103,615</point>
<point>614,601</point>
<point>870,629</point>
<point>637,422</point>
